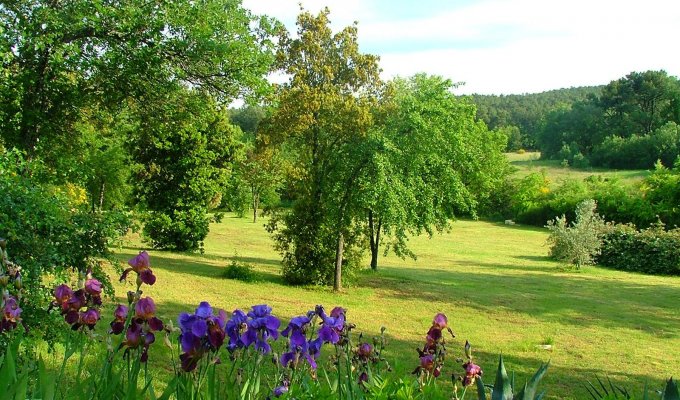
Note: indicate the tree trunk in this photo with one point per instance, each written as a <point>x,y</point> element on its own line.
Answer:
<point>374,239</point>
<point>337,283</point>
<point>256,205</point>
<point>101,196</point>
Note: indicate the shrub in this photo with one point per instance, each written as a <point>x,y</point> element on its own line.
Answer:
<point>182,230</point>
<point>579,242</point>
<point>240,271</point>
<point>47,233</point>
<point>652,251</point>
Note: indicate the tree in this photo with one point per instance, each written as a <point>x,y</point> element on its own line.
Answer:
<point>59,58</point>
<point>640,103</point>
<point>430,162</point>
<point>184,156</point>
<point>323,115</point>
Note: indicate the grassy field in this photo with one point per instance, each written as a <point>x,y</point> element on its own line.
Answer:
<point>493,281</point>
<point>529,162</point>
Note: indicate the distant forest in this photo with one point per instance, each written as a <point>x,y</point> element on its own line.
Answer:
<point>630,123</point>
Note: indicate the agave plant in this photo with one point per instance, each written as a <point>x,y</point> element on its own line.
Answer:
<point>503,388</point>
<point>611,391</point>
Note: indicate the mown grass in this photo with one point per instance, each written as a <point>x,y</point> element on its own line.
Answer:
<point>530,162</point>
<point>493,281</point>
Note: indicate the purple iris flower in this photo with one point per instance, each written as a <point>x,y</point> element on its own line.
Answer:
<point>364,351</point>
<point>120,315</point>
<point>201,331</point>
<point>11,314</point>
<point>296,330</point>
<point>93,287</point>
<point>310,350</point>
<point>280,391</point>
<point>89,318</point>
<point>142,266</point>
<point>145,311</point>
<point>62,294</point>
<point>472,372</point>
<point>332,325</point>
<point>261,327</point>
<point>235,328</point>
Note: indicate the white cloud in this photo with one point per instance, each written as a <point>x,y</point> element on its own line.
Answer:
<point>512,46</point>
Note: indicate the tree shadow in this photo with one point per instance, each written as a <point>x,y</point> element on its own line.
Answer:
<point>565,298</point>
<point>561,382</point>
<point>192,265</point>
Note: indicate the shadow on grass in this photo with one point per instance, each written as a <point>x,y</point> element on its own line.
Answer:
<point>565,298</point>
<point>195,267</point>
<point>534,258</point>
<point>561,381</point>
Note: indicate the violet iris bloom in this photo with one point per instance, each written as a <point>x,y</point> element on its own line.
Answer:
<point>11,314</point>
<point>364,351</point>
<point>120,315</point>
<point>93,287</point>
<point>201,332</point>
<point>280,391</point>
<point>261,327</point>
<point>310,350</point>
<point>142,266</point>
<point>145,311</point>
<point>89,318</point>
<point>440,321</point>
<point>332,325</point>
<point>236,326</point>
<point>296,330</point>
<point>62,294</point>
<point>472,372</point>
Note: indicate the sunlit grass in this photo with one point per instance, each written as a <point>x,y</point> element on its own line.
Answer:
<point>493,281</point>
<point>530,162</point>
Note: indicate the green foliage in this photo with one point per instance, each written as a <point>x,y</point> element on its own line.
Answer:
<point>48,232</point>
<point>67,56</point>
<point>240,271</point>
<point>640,152</point>
<point>429,162</point>
<point>323,116</point>
<point>527,112</point>
<point>662,191</point>
<point>578,243</point>
<point>611,391</point>
<point>177,229</point>
<point>184,157</point>
<point>653,250</point>
<point>629,125</point>
<point>534,200</point>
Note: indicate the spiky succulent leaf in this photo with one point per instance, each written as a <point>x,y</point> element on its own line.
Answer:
<point>481,390</point>
<point>502,388</point>
<point>529,390</point>
<point>671,391</point>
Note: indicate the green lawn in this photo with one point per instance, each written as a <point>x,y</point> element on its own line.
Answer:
<point>530,162</point>
<point>493,281</point>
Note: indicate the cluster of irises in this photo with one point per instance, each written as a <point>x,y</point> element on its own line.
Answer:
<point>139,326</point>
<point>10,279</point>
<point>433,354</point>
<point>205,331</point>
<point>79,307</point>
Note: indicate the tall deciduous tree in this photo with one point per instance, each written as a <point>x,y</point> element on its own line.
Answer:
<point>640,103</point>
<point>323,114</point>
<point>184,156</point>
<point>432,161</point>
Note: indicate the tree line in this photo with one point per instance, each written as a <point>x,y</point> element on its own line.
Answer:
<point>126,104</point>
<point>629,123</point>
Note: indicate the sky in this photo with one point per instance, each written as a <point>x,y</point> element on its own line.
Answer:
<point>506,46</point>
